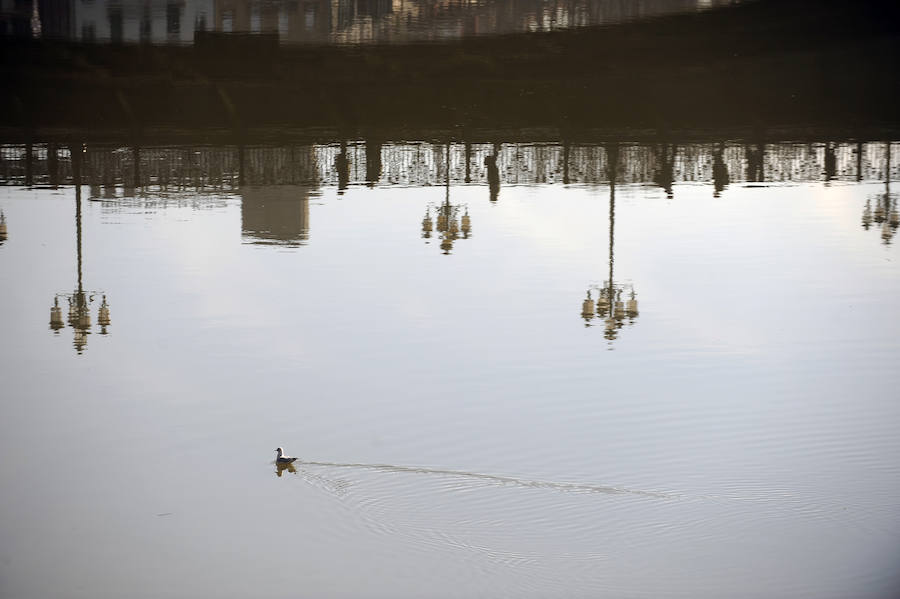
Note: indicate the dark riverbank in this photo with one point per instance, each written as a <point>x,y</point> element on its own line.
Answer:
<point>762,66</point>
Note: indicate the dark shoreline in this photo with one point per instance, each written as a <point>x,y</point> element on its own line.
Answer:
<point>781,69</point>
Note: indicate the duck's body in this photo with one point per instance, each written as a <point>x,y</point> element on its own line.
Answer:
<point>283,459</point>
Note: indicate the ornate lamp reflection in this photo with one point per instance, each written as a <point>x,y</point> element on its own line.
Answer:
<point>103,317</point>
<point>79,316</point>
<point>615,302</point>
<point>80,300</point>
<point>452,221</point>
<point>3,230</point>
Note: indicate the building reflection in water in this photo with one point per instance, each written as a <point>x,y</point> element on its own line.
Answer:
<point>79,300</point>
<point>276,184</point>
<point>317,21</point>
<point>615,301</point>
<point>451,220</point>
<point>885,213</point>
<point>275,214</point>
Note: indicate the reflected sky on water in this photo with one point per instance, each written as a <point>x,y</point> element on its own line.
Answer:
<point>461,432</point>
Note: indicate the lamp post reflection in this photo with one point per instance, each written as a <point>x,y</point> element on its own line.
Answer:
<point>885,212</point>
<point>79,300</point>
<point>493,173</point>
<point>615,301</point>
<point>451,220</point>
<point>3,230</point>
<point>719,170</point>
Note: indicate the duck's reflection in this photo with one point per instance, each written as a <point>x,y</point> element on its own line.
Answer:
<point>281,467</point>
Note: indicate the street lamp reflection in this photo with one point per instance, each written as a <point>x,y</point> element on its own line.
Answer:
<point>452,221</point>
<point>615,301</point>
<point>79,300</point>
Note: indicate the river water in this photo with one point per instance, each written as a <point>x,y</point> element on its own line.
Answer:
<point>718,420</point>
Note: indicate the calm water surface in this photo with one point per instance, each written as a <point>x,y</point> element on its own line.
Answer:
<point>466,425</point>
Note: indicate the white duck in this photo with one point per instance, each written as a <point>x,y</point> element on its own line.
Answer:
<point>283,459</point>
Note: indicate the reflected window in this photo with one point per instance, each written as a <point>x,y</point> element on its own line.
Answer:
<point>255,19</point>
<point>88,32</point>
<point>228,21</point>
<point>115,24</point>
<point>173,19</point>
<point>146,31</point>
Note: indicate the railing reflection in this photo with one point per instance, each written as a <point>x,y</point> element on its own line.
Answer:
<point>113,171</point>
<point>275,182</point>
<point>886,213</point>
